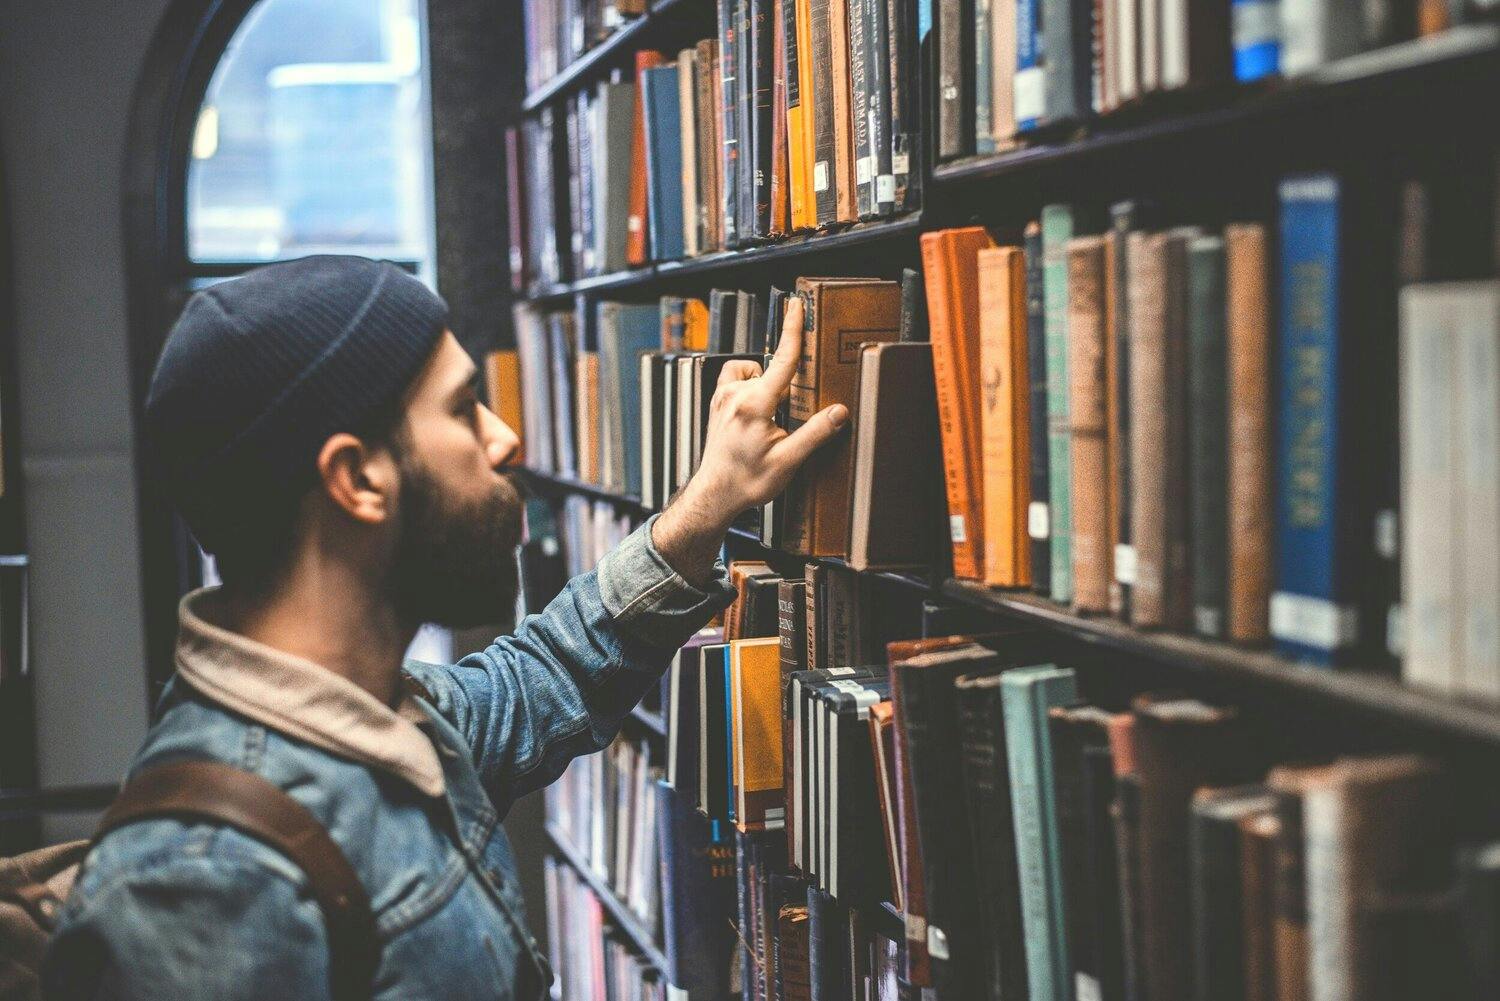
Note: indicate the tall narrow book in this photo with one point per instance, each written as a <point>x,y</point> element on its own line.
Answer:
<point>1088,357</point>
<point>1005,424</point>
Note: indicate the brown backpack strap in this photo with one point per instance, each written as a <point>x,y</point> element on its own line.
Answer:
<point>211,790</point>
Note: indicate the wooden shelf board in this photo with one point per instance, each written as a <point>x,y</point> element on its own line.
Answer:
<point>623,917</point>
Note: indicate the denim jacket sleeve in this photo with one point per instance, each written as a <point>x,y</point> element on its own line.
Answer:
<point>224,920</point>
<point>560,686</point>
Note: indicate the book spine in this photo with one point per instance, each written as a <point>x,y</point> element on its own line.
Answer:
<point>1218,932</point>
<point>1126,813</point>
<point>516,199</point>
<point>744,95</point>
<point>824,169</point>
<point>763,23</point>
<point>779,222</point>
<point>984,71</point>
<point>878,63</point>
<point>1030,88</point>
<point>903,53</point>
<point>1149,426</point>
<point>1255,27</point>
<point>1057,230</point>
<point>1000,278</point>
<point>1248,336</point>
<point>687,104</point>
<point>955,83</point>
<point>1312,617</point>
<point>986,783</point>
<point>805,139</point>
<point>1066,29</point>
<point>1178,570</point>
<point>1208,433</point>
<point>1477,312</point>
<point>1038,512</point>
<point>1002,74</point>
<point>1087,359</point>
<point>729,120</point>
<point>845,185</point>
<point>663,162</point>
<point>1027,695</point>
<point>1117,386</point>
<point>578,257</point>
<point>860,72</point>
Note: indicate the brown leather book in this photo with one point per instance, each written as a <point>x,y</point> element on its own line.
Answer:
<point>1088,353</point>
<point>950,266</point>
<point>587,415</point>
<point>1004,420</point>
<point>895,488</point>
<point>1162,594</point>
<point>1258,834</point>
<point>1289,891</point>
<point>1180,744</point>
<point>791,953</point>
<point>1375,831</point>
<point>709,167</point>
<point>635,223</point>
<point>780,182</point>
<point>918,961</point>
<point>1248,333</point>
<point>1114,430</point>
<point>503,389</point>
<point>846,191</point>
<point>841,314</point>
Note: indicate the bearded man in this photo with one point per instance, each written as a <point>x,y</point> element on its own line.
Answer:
<point>317,426</point>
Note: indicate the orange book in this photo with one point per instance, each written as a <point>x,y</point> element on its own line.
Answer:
<point>845,188</point>
<point>755,695</point>
<point>799,116</point>
<point>635,223</point>
<point>503,383</point>
<point>950,264</point>
<point>694,325</point>
<point>1005,417</point>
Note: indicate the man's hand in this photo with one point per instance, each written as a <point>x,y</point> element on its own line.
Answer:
<point>747,459</point>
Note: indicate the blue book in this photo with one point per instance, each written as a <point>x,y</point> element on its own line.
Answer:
<point>625,331</point>
<point>1321,535</point>
<point>1255,26</point>
<point>663,161</point>
<point>697,899</point>
<point>1030,93</point>
<point>1026,695</point>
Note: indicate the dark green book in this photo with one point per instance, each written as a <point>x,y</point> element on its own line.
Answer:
<point>1208,444</point>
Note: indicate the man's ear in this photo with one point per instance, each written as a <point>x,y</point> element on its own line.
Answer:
<point>359,479</point>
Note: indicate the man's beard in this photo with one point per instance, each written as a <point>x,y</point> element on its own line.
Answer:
<point>455,565</point>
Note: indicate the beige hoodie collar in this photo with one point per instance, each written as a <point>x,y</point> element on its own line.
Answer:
<point>299,698</point>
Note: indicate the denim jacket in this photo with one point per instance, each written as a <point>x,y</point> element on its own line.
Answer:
<point>414,796</point>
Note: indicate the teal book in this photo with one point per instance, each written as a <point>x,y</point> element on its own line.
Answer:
<point>1026,695</point>
<point>1057,230</point>
<point>625,331</point>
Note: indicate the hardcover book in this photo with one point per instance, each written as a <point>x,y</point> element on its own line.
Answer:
<point>1005,425</point>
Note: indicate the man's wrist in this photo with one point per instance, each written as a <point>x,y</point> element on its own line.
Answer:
<point>689,535</point>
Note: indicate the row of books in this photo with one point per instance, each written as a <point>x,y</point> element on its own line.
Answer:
<point>605,806</point>
<point>1045,833</point>
<point>589,529</point>
<point>559,31</point>
<point>592,960</point>
<point>1010,69</point>
<point>1196,429</point>
<point>798,116</point>
<point>583,372</point>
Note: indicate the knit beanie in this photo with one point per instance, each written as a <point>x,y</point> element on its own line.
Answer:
<point>260,371</point>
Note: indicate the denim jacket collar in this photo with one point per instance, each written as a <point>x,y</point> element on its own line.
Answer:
<point>301,699</point>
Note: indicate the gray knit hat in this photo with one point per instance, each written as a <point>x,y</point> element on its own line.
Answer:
<point>260,371</point>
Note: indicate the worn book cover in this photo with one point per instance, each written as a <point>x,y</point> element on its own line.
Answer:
<point>1005,425</point>
<point>1088,359</point>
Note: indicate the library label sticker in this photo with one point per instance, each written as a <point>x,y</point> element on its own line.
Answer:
<point>820,175</point>
<point>937,942</point>
<point>1086,988</point>
<point>1314,622</point>
<point>885,188</point>
<point>956,528</point>
<point>1038,520</point>
<point>1124,563</point>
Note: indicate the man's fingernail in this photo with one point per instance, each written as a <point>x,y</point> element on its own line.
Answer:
<point>838,414</point>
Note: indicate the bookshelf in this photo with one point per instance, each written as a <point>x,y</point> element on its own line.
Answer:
<point>1207,156</point>
<point>623,918</point>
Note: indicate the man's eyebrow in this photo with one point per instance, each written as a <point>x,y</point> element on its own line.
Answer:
<point>469,386</point>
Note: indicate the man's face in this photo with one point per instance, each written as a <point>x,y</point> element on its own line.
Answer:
<point>459,516</point>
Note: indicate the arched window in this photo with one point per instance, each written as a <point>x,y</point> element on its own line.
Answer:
<point>314,137</point>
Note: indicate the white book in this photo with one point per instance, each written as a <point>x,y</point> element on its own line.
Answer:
<point>648,433</point>
<point>1315,32</point>
<point>687,395</point>
<point>1429,495</point>
<point>1476,314</point>
<point>1126,64</point>
<point>1150,28</point>
<point>687,101</point>
<point>1175,34</point>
